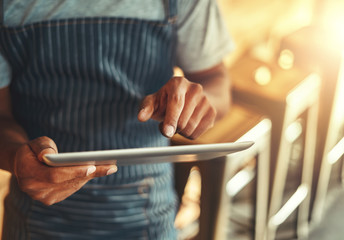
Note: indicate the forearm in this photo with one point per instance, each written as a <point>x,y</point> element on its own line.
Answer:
<point>216,86</point>
<point>12,135</point>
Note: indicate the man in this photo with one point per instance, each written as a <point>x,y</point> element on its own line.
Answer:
<point>91,75</point>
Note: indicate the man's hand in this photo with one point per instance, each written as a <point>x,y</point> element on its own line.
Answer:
<point>46,184</point>
<point>181,106</point>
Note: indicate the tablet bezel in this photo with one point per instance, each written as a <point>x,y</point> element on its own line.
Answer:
<point>148,155</point>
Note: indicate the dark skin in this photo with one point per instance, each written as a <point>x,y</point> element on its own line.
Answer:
<point>187,105</point>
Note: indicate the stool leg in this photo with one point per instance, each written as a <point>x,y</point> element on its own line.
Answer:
<point>307,170</point>
<point>330,157</point>
<point>262,190</point>
<point>342,174</point>
<point>279,184</point>
<point>212,179</point>
<point>320,197</point>
<point>181,172</point>
<point>289,134</point>
<point>261,135</point>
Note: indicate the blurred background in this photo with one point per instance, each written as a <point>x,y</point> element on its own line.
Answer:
<point>287,68</point>
<point>287,81</point>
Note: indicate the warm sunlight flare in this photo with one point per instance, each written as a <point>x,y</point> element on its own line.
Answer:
<point>286,59</point>
<point>262,75</point>
<point>332,20</point>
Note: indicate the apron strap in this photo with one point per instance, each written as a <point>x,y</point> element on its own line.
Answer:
<point>1,12</point>
<point>170,10</point>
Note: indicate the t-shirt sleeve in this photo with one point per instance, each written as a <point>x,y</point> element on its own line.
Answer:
<point>5,73</point>
<point>203,39</point>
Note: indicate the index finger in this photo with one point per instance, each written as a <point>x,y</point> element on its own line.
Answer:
<point>147,108</point>
<point>174,108</point>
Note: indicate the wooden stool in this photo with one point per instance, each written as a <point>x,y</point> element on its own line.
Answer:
<point>284,96</point>
<point>316,50</point>
<point>333,149</point>
<point>239,173</point>
<point>234,125</point>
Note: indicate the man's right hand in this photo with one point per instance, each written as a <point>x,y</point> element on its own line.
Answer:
<point>47,184</point>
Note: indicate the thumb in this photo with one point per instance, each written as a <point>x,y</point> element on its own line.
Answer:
<point>41,146</point>
<point>147,108</point>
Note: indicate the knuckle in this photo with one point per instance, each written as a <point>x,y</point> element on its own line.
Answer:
<point>177,98</point>
<point>210,110</point>
<point>212,113</point>
<point>196,88</point>
<point>204,101</point>
<point>178,80</point>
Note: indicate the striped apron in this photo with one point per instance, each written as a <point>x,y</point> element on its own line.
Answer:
<point>80,82</point>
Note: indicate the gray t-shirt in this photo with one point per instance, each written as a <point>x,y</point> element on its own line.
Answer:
<point>202,37</point>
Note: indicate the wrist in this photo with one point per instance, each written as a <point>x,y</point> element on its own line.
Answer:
<point>9,157</point>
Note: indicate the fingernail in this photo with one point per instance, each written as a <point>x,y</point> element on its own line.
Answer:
<point>91,170</point>
<point>111,171</point>
<point>48,150</point>
<point>142,114</point>
<point>169,131</point>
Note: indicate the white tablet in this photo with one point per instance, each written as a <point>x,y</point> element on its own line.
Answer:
<point>183,153</point>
